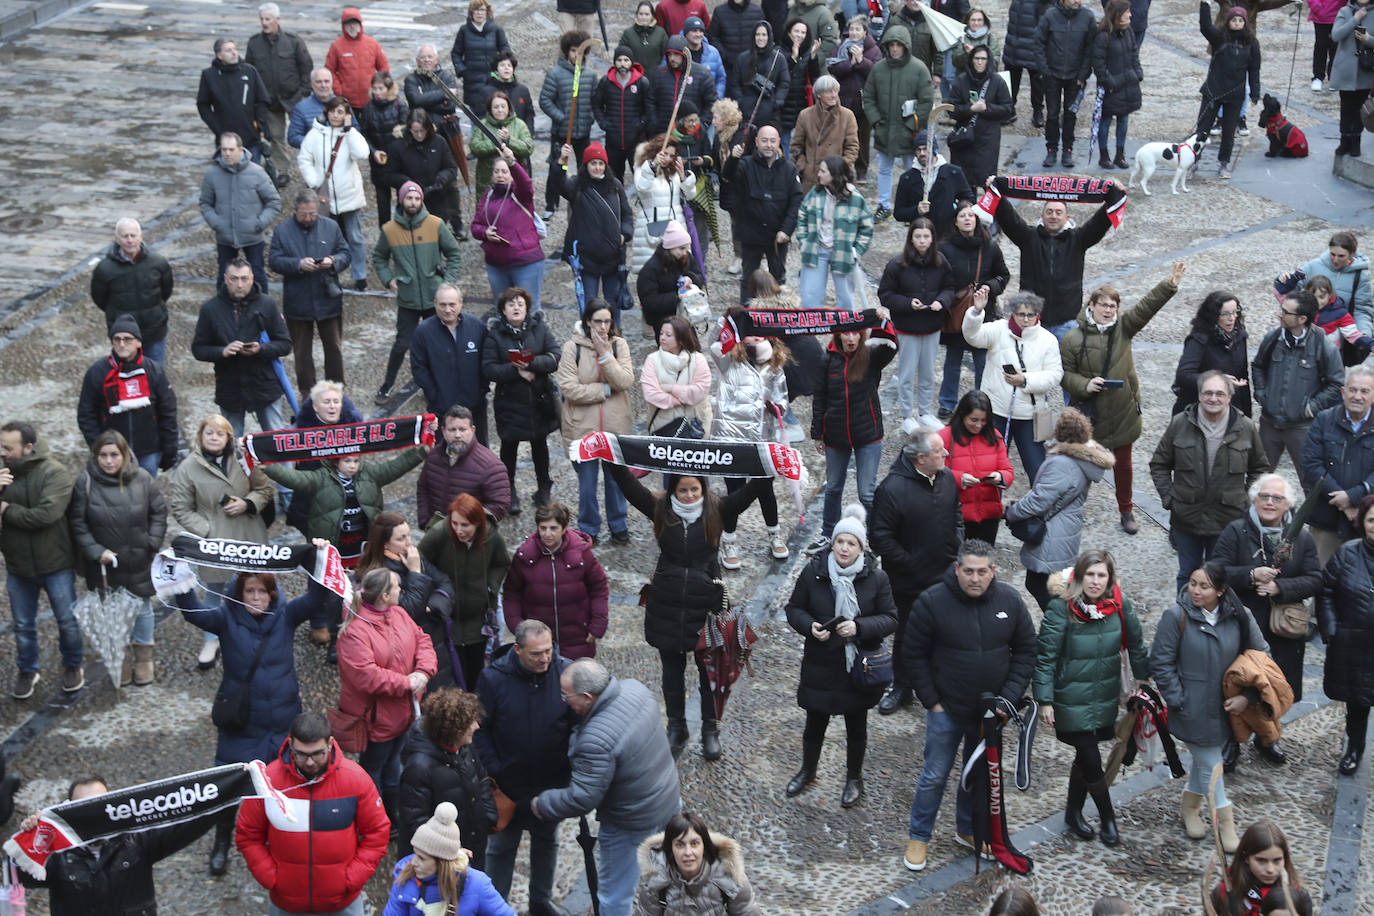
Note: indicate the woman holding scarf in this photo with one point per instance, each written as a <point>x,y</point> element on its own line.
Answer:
<point>842,602</point>
<point>1087,627</point>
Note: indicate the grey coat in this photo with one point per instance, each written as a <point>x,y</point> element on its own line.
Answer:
<point>1346,73</point>
<point>124,514</point>
<point>1057,496</point>
<point>621,765</point>
<point>238,202</point>
<point>1188,668</point>
<point>1294,385</point>
<point>720,888</point>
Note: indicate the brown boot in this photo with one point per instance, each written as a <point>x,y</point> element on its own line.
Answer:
<point>1192,816</point>
<point>1226,827</point>
<point>143,673</point>
<point>126,670</point>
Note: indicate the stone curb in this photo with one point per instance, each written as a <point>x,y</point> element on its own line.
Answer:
<point>17,23</point>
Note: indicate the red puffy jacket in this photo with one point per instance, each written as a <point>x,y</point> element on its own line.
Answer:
<point>377,652</point>
<point>353,61</point>
<point>319,862</point>
<point>981,501</point>
<point>566,590</point>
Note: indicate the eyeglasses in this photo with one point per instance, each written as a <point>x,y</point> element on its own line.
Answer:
<point>123,339</point>
<point>1284,311</point>
<point>1023,317</point>
<point>568,696</point>
<point>1271,498</point>
<point>310,755</point>
<point>1228,313</point>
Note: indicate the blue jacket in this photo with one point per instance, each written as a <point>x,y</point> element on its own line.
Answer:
<point>275,696</point>
<point>302,117</point>
<point>711,60</point>
<point>302,292</point>
<point>523,741</point>
<point>1342,459</point>
<point>448,367</point>
<point>416,897</point>
<point>1356,275</point>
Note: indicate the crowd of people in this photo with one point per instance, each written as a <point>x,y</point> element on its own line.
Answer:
<point>465,742</point>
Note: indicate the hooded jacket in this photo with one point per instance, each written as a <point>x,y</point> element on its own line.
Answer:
<point>601,220</point>
<point>320,861</point>
<point>519,141</point>
<point>434,775</point>
<point>624,110</point>
<point>149,430</point>
<point>353,61</point>
<point>891,84</point>
<point>1255,673</point>
<point>233,98</point>
<point>980,501</point>
<point>1345,616</point>
<point>1064,42</point>
<point>916,526</point>
<point>922,45</point>
<point>303,294</point>
<point>447,365</point>
<point>124,513</point>
<point>239,202</point>
<point>1035,353</point>
<point>847,414</point>
<point>555,99</point>
<point>284,63</point>
<point>524,410</point>
<point>476,571</point>
<point>419,252</point>
<point>34,535</point>
<point>751,74</point>
<point>326,490</point>
<point>523,741</point>
<point>344,184</point>
<point>472,54</point>
<point>1057,495</point>
<point>242,382</point>
<point>378,651</point>
<point>139,288</point>
<point>1088,352</point>
<point>509,209</point>
<point>720,888</point>
<point>566,588</point>
<point>957,647</point>
<point>1202,497</point>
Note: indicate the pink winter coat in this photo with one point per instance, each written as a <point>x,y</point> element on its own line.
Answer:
<point>566,589</point>
<point>377,652</point>
<point>513,219</point>
<point>1323,11</point>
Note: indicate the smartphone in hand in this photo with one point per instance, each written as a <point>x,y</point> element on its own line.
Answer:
<point>1113,383</point>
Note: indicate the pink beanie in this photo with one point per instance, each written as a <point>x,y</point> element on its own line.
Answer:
<point>675,236</point>
<point>411,186</point>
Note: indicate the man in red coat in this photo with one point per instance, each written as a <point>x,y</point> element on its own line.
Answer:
<point>353,59</point>
<point>320,861</point>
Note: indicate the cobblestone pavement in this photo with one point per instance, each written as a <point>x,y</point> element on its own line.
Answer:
<point>141,149</point>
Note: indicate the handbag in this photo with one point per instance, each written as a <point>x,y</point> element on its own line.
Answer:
<point>682,428</point>
<point>961,138</point>
<point>1042,415</point>
<point>1290,619</point>
<point>349,730</point>
<point>230,708</point>
<point>872,667</point>
<point>963,300</point>
<point>1030,530</point>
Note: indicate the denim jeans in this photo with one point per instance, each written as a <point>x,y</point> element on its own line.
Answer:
<point>885,164</point>
<point>588,512</point>
<point>812,284</point>
<point>501,849</point>
<point>1023,434</point>
<point>1192,550</point>
<point>1204,761</point>
<point>1059,330</point>
<point>529,277</point>
<point>916,354</point>
<point>1106,122</point>
<point>157,352</point>
<point>383,761</point>
<point>143,625</point>
<point>61,589</point>
<point>149,463</point>
<point>954,363</point>
<point>866,458</point>
<point>351,224</point>
<point>254,254</point>
<point>617,868</point>
<point>610,285</point>
<point>269,417</point>
<point>943,737</point>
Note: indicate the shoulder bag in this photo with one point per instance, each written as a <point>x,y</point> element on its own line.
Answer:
<point>1042,415</point>
<point>963,300</point>
<point>1288,619</point>
<point>323,191</point>
<point>230,708</point>
<point>961,139</point>
<point>872,667</point>
<point>1032,529</point>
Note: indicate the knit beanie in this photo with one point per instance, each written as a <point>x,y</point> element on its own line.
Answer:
<point>439,836</point>
<point>125,324</point>
<point>692,23</point>
<point>675,236</point>
<point>852,523</point>
<point>623,51</point>
<point>679,44</point>
<point>687,107</point>
<point>1240,11</point>
<point>595,151</point>
<point>411,186</point>
<point>923,138</point>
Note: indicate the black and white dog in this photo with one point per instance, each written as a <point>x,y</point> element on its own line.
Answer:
<point>1181,156</point>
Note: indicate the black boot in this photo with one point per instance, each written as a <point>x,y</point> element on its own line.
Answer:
<point>514,509</point>
<point>1343,146</point>
<point>542,495</point>
<point>1102,797</point>
<point>1352,146</point>
<point>219,853</point>
<point>1230,755</point>
<point>1038,118</point>
<point>1103,160</point>
<point>676,704</point>
<point>853,775</point>
<point>710,739</point>
<point>1350,758</point>
<point>1051,157</point>
<point>391,803</point>
<point>811,758</point>
<point>853,792</point>
<point>1120,160</point>
<point>1073,807</point>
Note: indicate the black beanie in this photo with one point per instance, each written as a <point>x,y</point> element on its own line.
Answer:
<point>125,324</point>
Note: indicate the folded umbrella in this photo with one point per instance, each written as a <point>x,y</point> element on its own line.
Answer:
<point>107,618</point>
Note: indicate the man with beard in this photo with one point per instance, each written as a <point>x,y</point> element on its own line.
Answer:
<point>948,187</point>
<point>420,248</point>
<point>127,391</point>
<point>768,198</point>
<point>228,334</point>
<point>668,84</point>
<point>232,97</point>
<point>556,100</point>
<point>463,465</point>
<point>623,106</point>
<point>446,358</point>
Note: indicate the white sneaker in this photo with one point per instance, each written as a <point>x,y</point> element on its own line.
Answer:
<point>729,552</point>
<point>1216,131</point>
<point>909,426</point>
<point>796,432</point>
<point>777,546</point>
<point>736,268</point>
<point>930,421</point>
<point>1316,85</point>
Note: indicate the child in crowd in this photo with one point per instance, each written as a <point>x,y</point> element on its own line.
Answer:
<point>1257,870</point>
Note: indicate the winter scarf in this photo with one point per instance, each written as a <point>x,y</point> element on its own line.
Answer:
<point>1227,340</point>
<point>318,442</point>
<point>172,576</point>
<point>1068,188</point>
<point>696,457</point>
<point>1104,608</point>
<point>846,600</point>
<point>792,323</point>
<point>688,512</point>
<point>126,387</point>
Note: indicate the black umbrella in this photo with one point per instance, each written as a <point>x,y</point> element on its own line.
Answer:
<point>588,844</point>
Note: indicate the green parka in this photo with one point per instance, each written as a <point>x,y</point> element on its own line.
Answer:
<point>34,535</point>
<point>1078,670</point>
<point>476,574</point>
<point>1088,351</point>
<point>520,143</point>
<point>890,84</point>
<point>1201,499</point>
<point>419,252</point>
<point>327,492</point>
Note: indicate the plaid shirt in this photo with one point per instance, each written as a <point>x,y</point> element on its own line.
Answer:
<point>853,230</point>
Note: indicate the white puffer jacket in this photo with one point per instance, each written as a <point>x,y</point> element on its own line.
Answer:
<point>654,199</point>
<point>1039,353</point>
<point>345,189</point>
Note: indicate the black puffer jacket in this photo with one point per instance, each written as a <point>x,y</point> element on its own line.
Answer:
<point>686,583</point>
<point>957,648</point>
<point>1018,48</point>
<point>432,775</point>
<point>657,285</point>
<point>802,72</point>
<point>1204,351</point>
<point>1064,42</point>
<point>124,514</point>
<point>767,197</point>
<point>983,158</point>
<point>518,412</point>
<point>242,382</point>
<point>523,741</point>
<point>961,251</point>
<point>150,430</point>
<point>428,163</point>
<point>1345,615</point>
<point>701,92</point>
<point>1235,57</point>
<point>950,186</point>
<point>1116,61</point>
<point>825,685</point>
<point>140,288</point>
<point>731,32</point>
<point>600,220</point>
<point>472,54</point>
<point>916,526</point>
<point>847,414</point>
<point>769,64</point>
<point>903,282</point>
<point>624,111</point>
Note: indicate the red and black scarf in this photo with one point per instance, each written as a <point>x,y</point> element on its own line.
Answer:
<point>126,385</point>
<point>1067,188</point>
<point>319,442</point>
<point>748,322</point>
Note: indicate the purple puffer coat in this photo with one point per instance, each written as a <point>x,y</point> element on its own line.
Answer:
<point>512,216</point>
<point>567,589</point>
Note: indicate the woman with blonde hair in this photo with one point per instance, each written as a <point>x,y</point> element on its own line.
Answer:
<point>436,877</point>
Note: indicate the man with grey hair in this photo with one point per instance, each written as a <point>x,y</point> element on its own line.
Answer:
<point>621,767</point>
<point>523,745</point>
<point>424,87</point>
<point>283,61</point>
<point>917,527</point>
<point>826,128</point>
<point>305,111</point>
<point>1206,460</point>
<point>1338,458</point>
<point>131,279</point>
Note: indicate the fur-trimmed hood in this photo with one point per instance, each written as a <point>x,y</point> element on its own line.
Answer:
<point>729,864</point>
<point>1089,452</point>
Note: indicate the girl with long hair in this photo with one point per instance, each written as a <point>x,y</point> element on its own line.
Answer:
<point>1116,61</point>
<point>1261,865</point>
<point>1217,339</point>
<point>917,288</point>
<point>980,464</point>
<point>834,229</point>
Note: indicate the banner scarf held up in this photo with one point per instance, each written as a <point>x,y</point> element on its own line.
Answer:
<point>696,457</point>
<point>318,442</point>
<point>324,565</point>
<point>1067,188</point>
<point>747,322</point>
<point>162,803</point>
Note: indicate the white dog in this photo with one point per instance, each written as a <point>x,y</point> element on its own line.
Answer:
<point>1182,156</point>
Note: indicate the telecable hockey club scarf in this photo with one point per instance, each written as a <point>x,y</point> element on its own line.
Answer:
<point>1071,189</point>
<point>325,565</point>
<point>793,323</point>
<point>705,457</point>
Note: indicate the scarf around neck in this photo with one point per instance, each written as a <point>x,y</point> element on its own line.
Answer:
<point>1104,608</point>
<point>846,599</point>
<point>688,512</point>
<point>1225,339</point>
<point>126,385</point>
<point>1012,326</point>
<point>1270,534</point>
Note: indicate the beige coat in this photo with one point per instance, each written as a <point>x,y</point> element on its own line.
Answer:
<point>197,486</point>
<point>587,407</point>
<point>822,133</point>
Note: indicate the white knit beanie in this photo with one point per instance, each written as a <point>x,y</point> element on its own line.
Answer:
<point>852,522</point>
<point>439,836</point>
